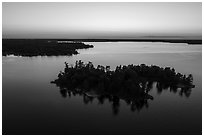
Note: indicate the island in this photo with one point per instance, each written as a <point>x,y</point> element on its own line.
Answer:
<point>41,47</point>
<point>130,83</point>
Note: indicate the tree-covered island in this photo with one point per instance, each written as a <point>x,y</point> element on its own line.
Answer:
<point>128,82</point>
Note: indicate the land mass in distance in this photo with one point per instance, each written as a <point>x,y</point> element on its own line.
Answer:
<point>56,47</point>
<point>188,41</point>
<point>41,47</point>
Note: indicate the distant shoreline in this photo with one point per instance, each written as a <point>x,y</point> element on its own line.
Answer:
<point>188,41</point>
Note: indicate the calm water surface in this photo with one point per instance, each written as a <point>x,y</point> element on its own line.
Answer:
<point>31,105</point>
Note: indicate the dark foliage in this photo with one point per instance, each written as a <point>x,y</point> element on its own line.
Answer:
<point>40,47</point>
<point>130,83</point>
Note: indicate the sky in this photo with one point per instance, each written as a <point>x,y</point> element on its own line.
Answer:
<point>101,20</point>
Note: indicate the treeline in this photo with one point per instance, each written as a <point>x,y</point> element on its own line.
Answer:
<point>40,47</point>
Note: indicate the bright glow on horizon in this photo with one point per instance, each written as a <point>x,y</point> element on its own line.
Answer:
<point>101,20</point>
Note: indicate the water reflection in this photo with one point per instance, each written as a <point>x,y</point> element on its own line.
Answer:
<point>136,102</point>
<point>185,91</point>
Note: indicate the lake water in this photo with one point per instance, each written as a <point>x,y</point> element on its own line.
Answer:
<point>31,105</point>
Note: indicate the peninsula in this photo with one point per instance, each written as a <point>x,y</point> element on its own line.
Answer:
<point>41,47</point>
